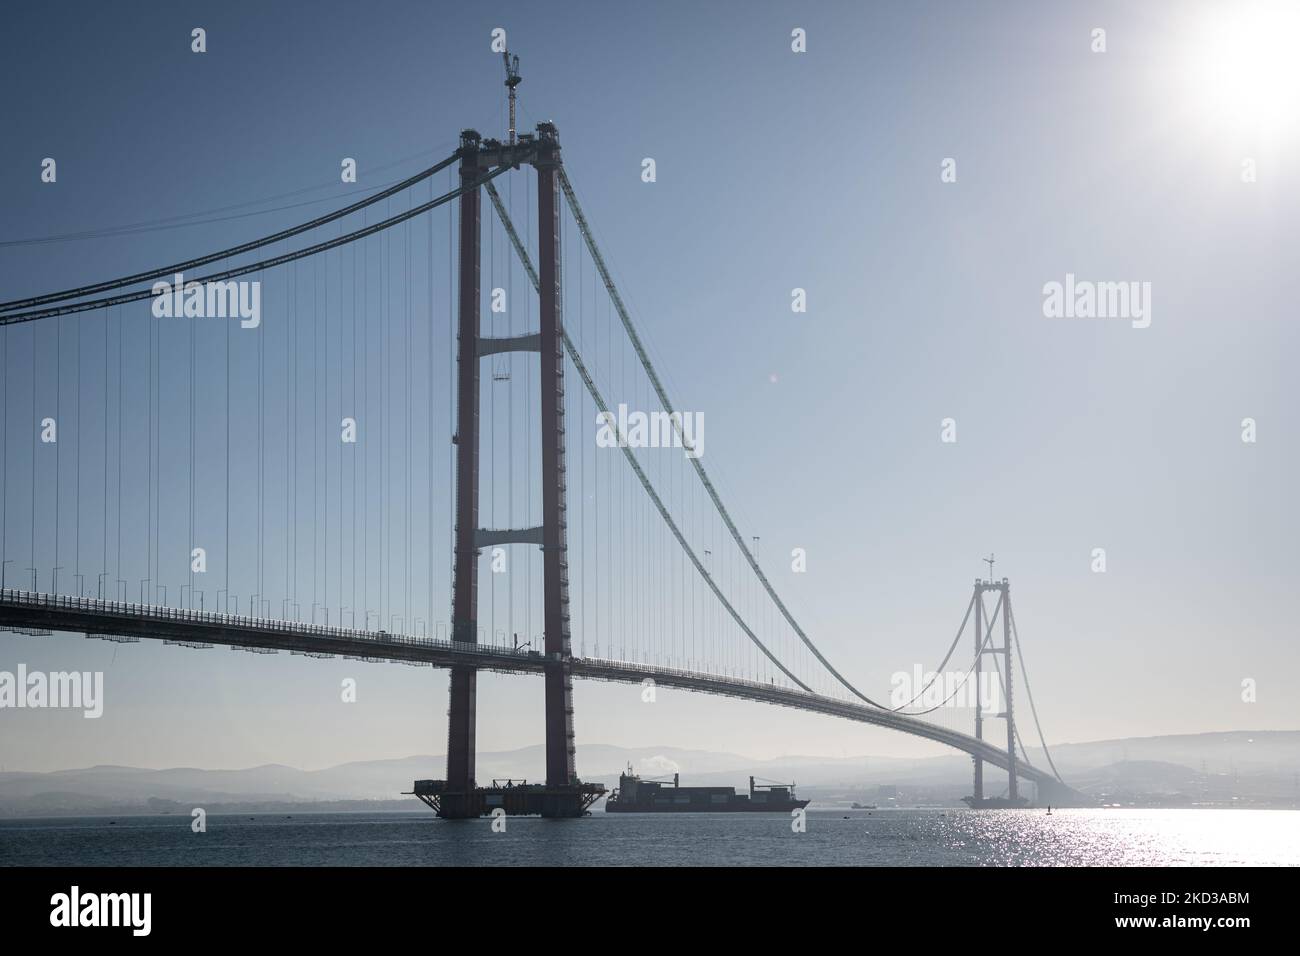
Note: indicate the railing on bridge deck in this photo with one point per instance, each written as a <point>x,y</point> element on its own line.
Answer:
<point>13,597</point>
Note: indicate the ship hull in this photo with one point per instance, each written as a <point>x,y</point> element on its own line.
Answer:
<point>635,795</point>
<point>739,807</point>
<point>995,803</point>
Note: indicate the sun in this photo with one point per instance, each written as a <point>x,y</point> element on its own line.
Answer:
<point>1244,63</point>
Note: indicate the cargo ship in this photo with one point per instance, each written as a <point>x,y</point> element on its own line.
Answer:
<point>635,795</point>
<point>995,803</point>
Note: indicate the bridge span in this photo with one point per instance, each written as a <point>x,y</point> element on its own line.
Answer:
<point>38,613</point>
<point>677,535</point>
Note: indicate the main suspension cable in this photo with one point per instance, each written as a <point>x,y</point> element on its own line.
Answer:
<point>225,253</point>
<point>984,643</point>
<point>1030,694</point>
<point>208,216</point>
<point>599,399</point>
<point>675,418</point>
<point>136,296</point>
<point>938,671</point>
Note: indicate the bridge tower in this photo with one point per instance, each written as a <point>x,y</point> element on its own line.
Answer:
<point>560,749</point>
<point>462,709</point>
<point>984,625</point>
<point>562,794</point>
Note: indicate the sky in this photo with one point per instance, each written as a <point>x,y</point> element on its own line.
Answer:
<point>775,170</point>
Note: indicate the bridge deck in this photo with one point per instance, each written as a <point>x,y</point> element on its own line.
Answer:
<point>26,610</point>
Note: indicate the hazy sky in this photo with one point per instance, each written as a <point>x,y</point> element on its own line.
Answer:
<point>775,170</point>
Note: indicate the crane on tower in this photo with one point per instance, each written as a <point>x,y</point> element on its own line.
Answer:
<point>513,79</point>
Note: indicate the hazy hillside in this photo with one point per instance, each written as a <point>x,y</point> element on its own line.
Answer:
<point>1272,750</point>
<point>1189,766</point>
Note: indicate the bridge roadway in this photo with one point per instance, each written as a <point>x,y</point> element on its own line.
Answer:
<point>32,611</point>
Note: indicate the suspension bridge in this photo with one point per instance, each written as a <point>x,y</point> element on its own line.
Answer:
<point>259,448</point>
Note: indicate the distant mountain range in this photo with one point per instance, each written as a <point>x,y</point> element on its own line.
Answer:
<point>1240,751</point>
<point>1169,767</point>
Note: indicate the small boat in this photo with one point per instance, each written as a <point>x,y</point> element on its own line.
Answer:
<point>864,806</point>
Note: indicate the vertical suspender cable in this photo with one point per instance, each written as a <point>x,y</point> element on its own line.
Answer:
<point>429,421</point>
<point>76,549</point>
<point>58,415</point>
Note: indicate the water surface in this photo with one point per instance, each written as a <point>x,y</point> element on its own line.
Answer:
<point>833,837</point>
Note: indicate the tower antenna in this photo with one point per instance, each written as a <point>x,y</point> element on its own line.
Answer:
<point>989,562</point>
<point>513,79</point>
